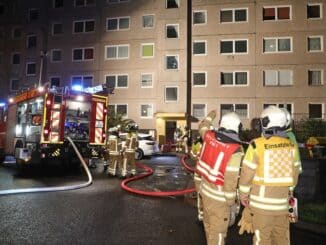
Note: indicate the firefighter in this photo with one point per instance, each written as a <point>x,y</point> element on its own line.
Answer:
<point>129,165</point>
<point>269,171</point>
<point>194,153</point>
<point>177,139</point>
<point>114,152</point>
<point>185,139</point>
<point>219,165</point>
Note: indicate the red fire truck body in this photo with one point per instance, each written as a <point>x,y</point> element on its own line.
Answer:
<point>39,121</point>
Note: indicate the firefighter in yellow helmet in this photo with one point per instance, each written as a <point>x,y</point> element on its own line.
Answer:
<point>219,165</point>
<point>269,171</point>
<point>114,149</point>
<point>129,165</point>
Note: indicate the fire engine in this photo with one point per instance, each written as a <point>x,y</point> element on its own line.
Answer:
<point>39,120</point>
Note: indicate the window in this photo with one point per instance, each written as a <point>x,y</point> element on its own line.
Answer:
<point>199,79</point>
<point>16,32</point>
<point>315,77</point>
<point>287,106</point>
<point>314,11</point>
<point>117,52</point>
<point>146,80</point>
<point>55,82</point>
<point>277,13</point>
<point>240,109</point>
<point>233,46</point>
<point>84,26</point>
<point>233,15</point>
<point>172,62</point>
<point>30,69</point>
<point>81,81</point>
<point>146,111</point>
<point>116,24</point>
<point>33,14</point>
<point>82,54</point>
<point>31,41</point>
<point>172,4</point>
<point>121,109</point>
<point>2,9</point>
<point>14,84</point>
<point>315,110</point>
<point>315,44</point>
<point>57,4</point>
<point>83,3</point>
<point>117,1</point>
<point>147,50</point>
<point>199,17</point>
<point>57,29</point>
<point>234,78</point>
<point>15,59</point>
<point>148,21</point>
<point>117,81</point>
<point>56,55</point>
<point>171,94</point>
<point>172,31</point>
<point>199,110</point>
<point>278,77</point>
<point>199,47</point>
<point>280,44</point>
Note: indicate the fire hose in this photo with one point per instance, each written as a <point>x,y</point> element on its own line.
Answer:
<point>149,172</point>
<point>56,188</point>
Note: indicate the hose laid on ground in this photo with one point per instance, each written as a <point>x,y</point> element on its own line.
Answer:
<point>56,188</point>
<point>149,172</point>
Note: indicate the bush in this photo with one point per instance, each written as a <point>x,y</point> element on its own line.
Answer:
<point>306,128</point>
<point>313,213</point>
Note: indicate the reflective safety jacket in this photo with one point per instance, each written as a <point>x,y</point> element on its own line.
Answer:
<point>114,145</point>
<point>131,142</point>
<point>213,158</point>
<point>270,169</point>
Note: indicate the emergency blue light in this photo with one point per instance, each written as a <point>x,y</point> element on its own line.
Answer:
<point>77,87</point>
<point>2,104</point>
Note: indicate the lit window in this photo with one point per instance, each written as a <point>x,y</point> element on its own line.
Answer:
<point>115,24</point>
<point>172,62</point>
<point>15,59</point>
<point>199,47</point>
<point>233,15</point>
<point>30,69</point>
<point>234,78</point>
<point>315,44</point>
<point>146,80</point>
<point>199,17</point>
<point>57,28</point>
<point>277,13</point>
<point>199,110</point>
<point>147,50</point>
<point>315,110</point>
<point>172,31</point>
<point>314,11</point>
<point>171,94</point>
<point>278,78</point>
<point>315,77</point>
<point>146,111</point>
<point>117,81</point>
<point>31,41</point>
<point>233,46</point>
<point>199,79</point>
<point>117,52</point>
<point>148,21</point>
<point>274,45</point>
<point>82,81</point>
<point>172,4</point>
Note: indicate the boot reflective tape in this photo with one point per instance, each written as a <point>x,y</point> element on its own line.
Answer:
<point>268,207</point>
<point>220,239</point>
<point>257,234</point>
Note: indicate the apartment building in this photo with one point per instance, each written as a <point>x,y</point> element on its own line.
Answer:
<point>245,55</point>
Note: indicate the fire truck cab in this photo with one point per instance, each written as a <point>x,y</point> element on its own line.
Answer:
<point>39,120</point>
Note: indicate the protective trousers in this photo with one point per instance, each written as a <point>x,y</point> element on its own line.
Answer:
<point>128,163</point>
<point>197,181</point>
<point>216,220</point>
<point>271,229</point>
<point>115,163</point>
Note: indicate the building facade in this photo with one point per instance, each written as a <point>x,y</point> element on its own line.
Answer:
<point>245,55</point>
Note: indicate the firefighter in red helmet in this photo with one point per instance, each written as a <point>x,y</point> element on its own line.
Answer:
<point>219,165</point>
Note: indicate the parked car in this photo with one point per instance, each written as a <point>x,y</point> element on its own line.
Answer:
<point>147,145</point>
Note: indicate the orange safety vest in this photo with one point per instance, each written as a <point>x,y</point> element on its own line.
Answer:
<point>213,158</point>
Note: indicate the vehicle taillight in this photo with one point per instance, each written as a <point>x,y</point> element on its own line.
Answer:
<point>48,102</point>
<point>46,131</point>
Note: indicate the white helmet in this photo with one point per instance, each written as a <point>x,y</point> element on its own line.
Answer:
<point>231,121</point>
<point>288,117</point>
<point>272,117</point>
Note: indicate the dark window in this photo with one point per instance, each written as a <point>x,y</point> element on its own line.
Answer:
<point>226,16</point>
<point>199,48</point>
<point>240,15</point>
<point>89,54</point>
<point>283,13</point>
<point>110,81</point>
<point>241,46</point>
<point>77,54</point>
<point>58,4</point>
<point>17,32</point>
<point>315,111</point>
<point>55,81</point>
<point>2,9</point>
<point>89,26</point>
<point>226,78</point>
<point>14,84</point>
<point>268,13</point>
<point>313,11</point>
<point>172,31</point>
<point>57,28</point>
<point>33,14</point>
<point>172,4</point>
<point>227,47</point>
<point>171,94</point>
<point>31,41</point>
<point>31,69</point>
<point>199,17</point>
<point>16,59</point>
<point>56,55</point>
<point>112,24</point>
<point>79,26</point>
<point>199,79</point>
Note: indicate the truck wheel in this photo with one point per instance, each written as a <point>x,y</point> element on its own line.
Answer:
<point>139,154</point>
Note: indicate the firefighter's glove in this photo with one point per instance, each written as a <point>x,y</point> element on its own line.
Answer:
<point>245,222</point>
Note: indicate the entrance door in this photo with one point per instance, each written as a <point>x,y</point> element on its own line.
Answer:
<point>170,127</point>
